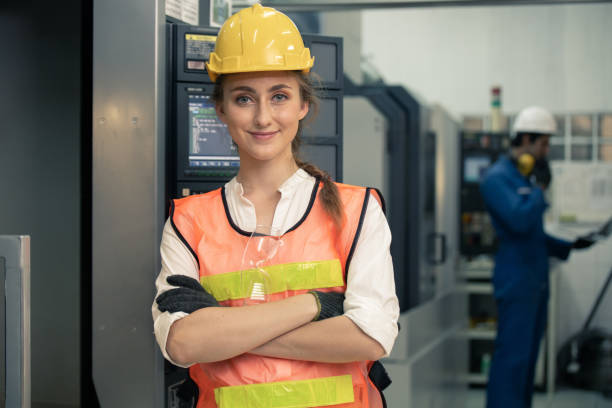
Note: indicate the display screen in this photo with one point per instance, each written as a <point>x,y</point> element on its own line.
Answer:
<point>210,144</point>
<point>474,168</point>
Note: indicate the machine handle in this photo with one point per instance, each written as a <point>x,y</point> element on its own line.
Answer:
<point>432,239</point>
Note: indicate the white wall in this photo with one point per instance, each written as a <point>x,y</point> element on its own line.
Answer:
<point>558,56</point>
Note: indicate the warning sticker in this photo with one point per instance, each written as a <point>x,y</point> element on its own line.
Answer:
<point>200,37</point>
<point>199,47</point>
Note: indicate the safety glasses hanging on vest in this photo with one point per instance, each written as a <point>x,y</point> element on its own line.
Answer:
<point>260,272</point>
<point>257,261</point>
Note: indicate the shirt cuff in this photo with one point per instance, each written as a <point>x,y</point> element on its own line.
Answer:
<point>161,326</point>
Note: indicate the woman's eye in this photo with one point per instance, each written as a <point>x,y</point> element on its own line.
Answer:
<point>279,98</point>
<point>242,100</point>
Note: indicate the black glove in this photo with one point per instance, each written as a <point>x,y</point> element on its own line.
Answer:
<point>542,174</point>
<point>582,243</point>
<point>188,297</point>
<point>330,304</point>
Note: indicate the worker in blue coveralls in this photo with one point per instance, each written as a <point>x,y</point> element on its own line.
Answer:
<point>513,190</point>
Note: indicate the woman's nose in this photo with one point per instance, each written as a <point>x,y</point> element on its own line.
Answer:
<point>263,115</point>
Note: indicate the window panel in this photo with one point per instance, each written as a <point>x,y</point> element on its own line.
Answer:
<point>560,125</point>
<point>582,125</point>
<point>605,125</point>
<point>582,152</point>
<point>556,152</point>
<point>605,153</point>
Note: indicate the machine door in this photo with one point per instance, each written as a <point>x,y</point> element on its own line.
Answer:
<point>15,321</point>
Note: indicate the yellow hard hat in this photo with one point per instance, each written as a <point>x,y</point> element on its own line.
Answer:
<point>258,39</point>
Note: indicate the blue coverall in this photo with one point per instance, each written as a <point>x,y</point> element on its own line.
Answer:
<point>520,281</point>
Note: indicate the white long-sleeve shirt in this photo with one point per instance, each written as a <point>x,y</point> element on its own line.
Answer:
<point>370,300</point>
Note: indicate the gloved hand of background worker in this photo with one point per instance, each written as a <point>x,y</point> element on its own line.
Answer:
<point>188,297</point>
<point>542,174</point>
<point>330,304</point>
<point>582,243</point>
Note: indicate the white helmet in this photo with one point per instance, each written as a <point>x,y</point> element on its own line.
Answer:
<point>534,120</point>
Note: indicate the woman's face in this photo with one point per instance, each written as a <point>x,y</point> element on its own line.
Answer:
<point>262,111</point>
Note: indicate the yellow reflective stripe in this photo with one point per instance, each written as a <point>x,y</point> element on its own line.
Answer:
<point>317,392</point>
<point>282,277</point>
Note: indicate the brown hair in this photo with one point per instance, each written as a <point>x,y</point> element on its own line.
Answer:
<point>330,197</point>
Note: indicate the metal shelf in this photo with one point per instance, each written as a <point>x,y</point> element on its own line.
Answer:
<point>477,274</point>
<point>474,378</point>
<point>479,334</point>
<point>478,288</point>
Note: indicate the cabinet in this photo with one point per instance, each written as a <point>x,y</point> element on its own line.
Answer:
<point>482,325</point>
<point>482,317</point>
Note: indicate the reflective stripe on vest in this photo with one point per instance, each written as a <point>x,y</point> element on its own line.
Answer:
<point>315,392</point>
<point>282,277</point>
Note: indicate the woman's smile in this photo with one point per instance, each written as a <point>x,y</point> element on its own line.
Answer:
<point>263,136</point>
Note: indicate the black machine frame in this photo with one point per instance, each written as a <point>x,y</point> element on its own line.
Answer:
<point>337,83</point>
<point>413,240</point>
<point>309,138</point>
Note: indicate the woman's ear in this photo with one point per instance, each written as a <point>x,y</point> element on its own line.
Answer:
<point>220,112</point>
<point>303,110</point>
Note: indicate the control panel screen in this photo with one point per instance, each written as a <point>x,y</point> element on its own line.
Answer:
<point>474,168</point>
<point>210,144</point>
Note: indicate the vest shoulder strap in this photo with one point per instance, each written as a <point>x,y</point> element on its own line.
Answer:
<point>183,213</point>
<point>349,193</point>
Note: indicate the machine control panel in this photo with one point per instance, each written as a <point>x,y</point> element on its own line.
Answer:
<point>479,150</point>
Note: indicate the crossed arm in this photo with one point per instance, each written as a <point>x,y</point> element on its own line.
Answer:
<point>284,329</point>
<point>279,329</point>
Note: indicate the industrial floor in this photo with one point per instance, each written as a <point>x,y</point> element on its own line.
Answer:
<point>561,399</point>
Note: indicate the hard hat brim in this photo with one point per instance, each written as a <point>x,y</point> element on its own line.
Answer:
<point>214,74</point>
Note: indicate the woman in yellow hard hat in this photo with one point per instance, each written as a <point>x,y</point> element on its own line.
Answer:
<point>326,310</point>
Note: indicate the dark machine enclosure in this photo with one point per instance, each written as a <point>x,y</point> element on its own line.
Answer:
<point>411,201</point>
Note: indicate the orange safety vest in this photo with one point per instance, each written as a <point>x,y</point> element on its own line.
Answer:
<point>315,256</point>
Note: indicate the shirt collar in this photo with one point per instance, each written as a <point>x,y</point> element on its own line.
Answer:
<point>294,181</point>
